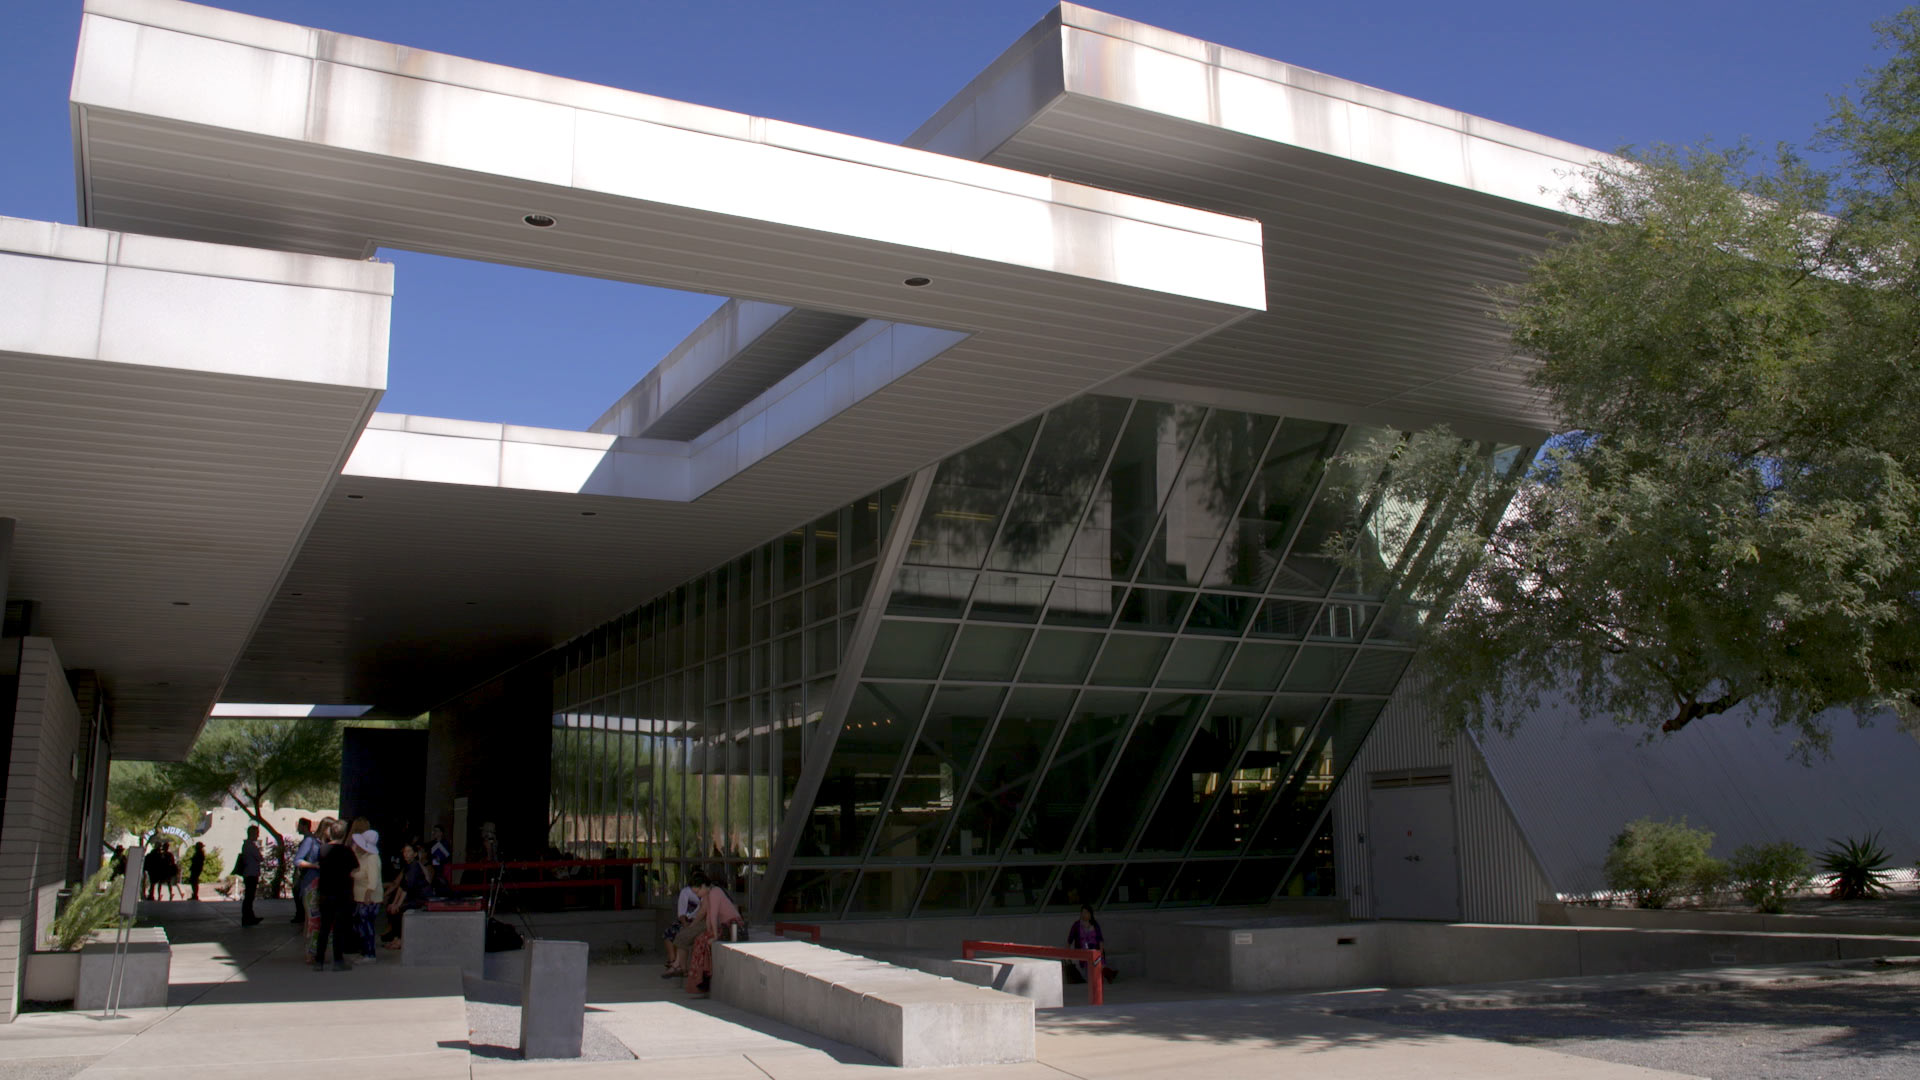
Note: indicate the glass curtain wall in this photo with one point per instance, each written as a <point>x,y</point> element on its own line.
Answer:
<point>679,728</point>
<point>1122,665</point>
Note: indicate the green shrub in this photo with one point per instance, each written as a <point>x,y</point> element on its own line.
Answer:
<point>1657,862</point>
<point>1858,868</point>
<point>1769,873</point>
<point>94,906</point>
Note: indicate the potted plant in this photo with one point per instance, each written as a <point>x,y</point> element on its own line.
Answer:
<point>54,974</point>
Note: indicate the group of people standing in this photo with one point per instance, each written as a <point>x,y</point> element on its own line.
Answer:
<point>341,887</point>
<point>162,869</point>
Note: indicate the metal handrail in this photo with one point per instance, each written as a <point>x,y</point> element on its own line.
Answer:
<point>1093,958</point>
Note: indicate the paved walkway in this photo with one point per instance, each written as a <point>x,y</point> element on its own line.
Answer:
<point>244,998</point>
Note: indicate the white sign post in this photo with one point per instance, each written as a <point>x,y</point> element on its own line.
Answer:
<point>123,934</point>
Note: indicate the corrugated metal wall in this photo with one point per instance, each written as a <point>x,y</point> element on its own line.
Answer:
<point>1500,881</point>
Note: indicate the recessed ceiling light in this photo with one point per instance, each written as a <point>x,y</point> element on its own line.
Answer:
<point>539,221</point>
<point>917,282</point>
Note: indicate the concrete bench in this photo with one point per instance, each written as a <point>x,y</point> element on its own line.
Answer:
<point>143,985</point>
<point>446,939</point>
<point>906,1017</point>
<point>1029,977</point>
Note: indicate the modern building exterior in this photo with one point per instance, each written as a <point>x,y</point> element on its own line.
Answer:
<point>992,550</point>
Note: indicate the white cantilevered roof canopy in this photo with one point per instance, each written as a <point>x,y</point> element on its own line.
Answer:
<point>197,123</point>
<point>470,546</point>
<point>171,416</point>
<point>1387,219</point>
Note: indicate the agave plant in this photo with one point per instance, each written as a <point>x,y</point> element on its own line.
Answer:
<point>1858,868</point>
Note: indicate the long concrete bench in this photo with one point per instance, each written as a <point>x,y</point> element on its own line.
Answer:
<point>1038,980</point>
<point>903,1016</point>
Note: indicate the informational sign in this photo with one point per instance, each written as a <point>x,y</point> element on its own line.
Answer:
<point>130,882</point>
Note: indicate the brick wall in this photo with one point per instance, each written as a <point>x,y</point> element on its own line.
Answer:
<point>34,825</point>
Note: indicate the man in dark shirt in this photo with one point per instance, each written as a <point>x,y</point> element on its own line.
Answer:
<point>338,865</point>
<point>248,867</point>
<point>196,862</point>
<point>155,865</point>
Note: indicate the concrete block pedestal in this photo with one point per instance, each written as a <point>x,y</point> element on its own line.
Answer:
<point>144,983</point>
<point>446,939</point>
<point>553,999</point>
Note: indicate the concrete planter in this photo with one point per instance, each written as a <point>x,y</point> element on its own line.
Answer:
<point>1554,913</point>
<point>143,985</point>
<point>51,976</point>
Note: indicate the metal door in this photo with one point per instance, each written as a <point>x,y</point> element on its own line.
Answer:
<point>1410,840</point>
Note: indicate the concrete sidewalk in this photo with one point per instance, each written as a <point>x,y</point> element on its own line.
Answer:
<point>1218,1035</point>
<point>246,998</point>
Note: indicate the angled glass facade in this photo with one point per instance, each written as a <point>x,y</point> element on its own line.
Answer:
<point>679,728</point>
<point>1120,661</point>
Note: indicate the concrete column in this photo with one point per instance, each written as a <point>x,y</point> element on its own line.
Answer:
<point>553,999</point>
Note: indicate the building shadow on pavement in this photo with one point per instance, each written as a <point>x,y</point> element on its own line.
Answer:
<point>1867,1015</point>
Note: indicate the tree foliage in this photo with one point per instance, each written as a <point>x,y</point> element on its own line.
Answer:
<point>144,796</point>
<point>257,762</point>
<point>1734,514</point>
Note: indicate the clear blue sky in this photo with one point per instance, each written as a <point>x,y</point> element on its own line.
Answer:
<point>489,343</point>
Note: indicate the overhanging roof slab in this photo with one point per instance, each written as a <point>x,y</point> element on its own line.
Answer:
<point>171,416</point>
<point>225,127</point>
<point>1388,219</point>
<point>182,118</point>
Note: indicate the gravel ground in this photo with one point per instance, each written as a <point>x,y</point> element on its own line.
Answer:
<point>493,1027</point>
<point>1861,1028</point>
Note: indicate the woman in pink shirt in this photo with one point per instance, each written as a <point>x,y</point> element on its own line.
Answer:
<point>715,914</point>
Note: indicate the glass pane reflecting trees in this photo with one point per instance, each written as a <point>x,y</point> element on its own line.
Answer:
<point>1130,648</point>
<point>680,728</point>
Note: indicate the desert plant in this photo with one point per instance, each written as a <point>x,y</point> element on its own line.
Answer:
<point>1858,868</point>
<point>1657,862</point>
<point>1769,873</point>
<point>92,907</point>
